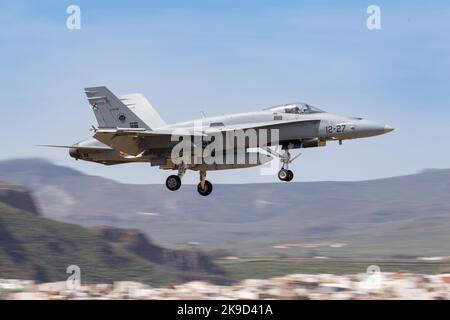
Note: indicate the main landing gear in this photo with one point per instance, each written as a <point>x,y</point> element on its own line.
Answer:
<point>204,187</point>
<point>173,182</point>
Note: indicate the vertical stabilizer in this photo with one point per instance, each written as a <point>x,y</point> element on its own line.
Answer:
<point>143,109</point>
<point>110,111</point>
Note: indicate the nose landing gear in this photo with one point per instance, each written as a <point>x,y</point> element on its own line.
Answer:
<point>285,174</point>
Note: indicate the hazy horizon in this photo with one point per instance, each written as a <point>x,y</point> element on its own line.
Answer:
<point>51,161</point>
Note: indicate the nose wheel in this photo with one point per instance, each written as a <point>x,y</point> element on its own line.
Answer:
<point>285,175</point>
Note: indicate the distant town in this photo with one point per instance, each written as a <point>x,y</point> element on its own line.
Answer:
<point>296,286</point>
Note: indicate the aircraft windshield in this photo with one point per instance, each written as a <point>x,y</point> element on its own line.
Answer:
<point>296,108</point>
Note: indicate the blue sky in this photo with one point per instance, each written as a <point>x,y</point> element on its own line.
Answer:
<point>232,56</point>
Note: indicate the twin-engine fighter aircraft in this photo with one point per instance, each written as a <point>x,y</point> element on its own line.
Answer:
<point>130,130</point>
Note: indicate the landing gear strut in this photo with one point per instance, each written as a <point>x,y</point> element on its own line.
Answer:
<point>173,182</point>
<point>204,187</point>
<point>285,174</point>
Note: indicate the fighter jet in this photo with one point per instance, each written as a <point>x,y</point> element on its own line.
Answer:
<point>131,130</point>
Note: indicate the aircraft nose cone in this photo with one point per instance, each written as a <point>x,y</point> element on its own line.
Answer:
<point>368,128</point>
<point>388,128</point>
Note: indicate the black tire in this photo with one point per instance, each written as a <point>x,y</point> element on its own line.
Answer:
<point>173,183</point>
<point>208,188</point>
<point>290,176</point>
<point>283,174</point>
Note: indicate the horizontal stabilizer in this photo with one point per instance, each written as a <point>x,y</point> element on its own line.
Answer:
<point>74,146</point>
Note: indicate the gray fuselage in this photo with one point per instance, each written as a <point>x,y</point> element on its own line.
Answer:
<point>299,126</point>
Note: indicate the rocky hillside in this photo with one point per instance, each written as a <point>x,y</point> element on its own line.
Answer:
<point>189,264</point>
<point>17,197</point>
<point>33,247</point>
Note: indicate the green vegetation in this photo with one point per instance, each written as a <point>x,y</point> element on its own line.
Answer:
<point>32,247</point>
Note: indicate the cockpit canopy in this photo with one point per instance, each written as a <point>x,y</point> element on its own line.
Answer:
<point>295,108</point>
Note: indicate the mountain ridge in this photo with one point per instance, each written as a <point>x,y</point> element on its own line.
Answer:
<point>251,218</point>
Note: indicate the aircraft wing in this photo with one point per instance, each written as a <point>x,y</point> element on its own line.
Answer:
<point>129,140</point>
